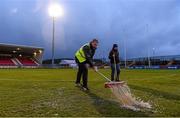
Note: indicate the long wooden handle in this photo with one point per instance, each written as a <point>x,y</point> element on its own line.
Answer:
<point>103,76</point>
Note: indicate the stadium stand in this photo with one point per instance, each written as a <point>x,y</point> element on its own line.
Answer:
<point>14,56</point>
<point>27,61</point>
<point>157,62</point>
<point>6,61</point>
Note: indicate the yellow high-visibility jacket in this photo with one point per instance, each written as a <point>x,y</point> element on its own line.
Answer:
<point>85,54</point>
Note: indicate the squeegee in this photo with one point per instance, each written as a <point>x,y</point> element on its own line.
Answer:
<point>110,83</point>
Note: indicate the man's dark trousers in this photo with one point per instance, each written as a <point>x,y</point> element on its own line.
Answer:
<point>82,72</point>
<point>113,74</point>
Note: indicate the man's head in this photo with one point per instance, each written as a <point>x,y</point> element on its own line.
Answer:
<point>115,47</point>
<point>94,43</point>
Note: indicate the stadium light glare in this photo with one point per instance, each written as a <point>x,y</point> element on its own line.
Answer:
<point>35,53</point>
<point>40,51</point>
<point>14,51</point>
<point>18,48</point>
<point>55,10</point>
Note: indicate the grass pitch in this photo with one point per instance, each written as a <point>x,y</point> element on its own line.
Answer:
<point>51,92</point>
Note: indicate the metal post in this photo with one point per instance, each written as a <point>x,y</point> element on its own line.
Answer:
<point>125,55</point>
<point>153,56</point>
<point>149,60</point>
<point>53,39</point>
<point>125,51</point>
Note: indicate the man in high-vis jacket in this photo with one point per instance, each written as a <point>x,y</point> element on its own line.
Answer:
<point>84,57</point>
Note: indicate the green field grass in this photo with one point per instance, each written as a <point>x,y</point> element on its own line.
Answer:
<point>51,92</point>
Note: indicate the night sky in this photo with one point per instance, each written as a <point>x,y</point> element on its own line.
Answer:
<point>142,25</point>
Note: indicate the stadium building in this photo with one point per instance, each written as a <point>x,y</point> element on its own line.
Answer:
<point>156,62</point>
<point>14,56</point>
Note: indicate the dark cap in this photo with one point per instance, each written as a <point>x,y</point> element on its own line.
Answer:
<point>115,45</point>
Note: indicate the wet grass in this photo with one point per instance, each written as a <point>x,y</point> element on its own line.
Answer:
<point>51,92</point>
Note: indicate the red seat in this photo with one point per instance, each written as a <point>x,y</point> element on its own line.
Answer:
<point>27,62</point>
<point>6,61</point>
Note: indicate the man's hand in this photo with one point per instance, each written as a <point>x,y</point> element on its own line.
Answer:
<point>95,68</point>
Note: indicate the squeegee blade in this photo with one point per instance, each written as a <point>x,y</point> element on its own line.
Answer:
<point>110,84</point>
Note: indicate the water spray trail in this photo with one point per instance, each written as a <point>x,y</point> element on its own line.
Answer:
<point>126,99</point>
